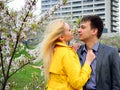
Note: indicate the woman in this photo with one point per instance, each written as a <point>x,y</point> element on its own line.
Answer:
<point>61,64</point>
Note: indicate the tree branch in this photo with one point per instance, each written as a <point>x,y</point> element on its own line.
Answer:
<point>1,56</point>
<point>18,69</point>
<point>18,36</point>
<point>11,18</point>
<point>21,67</point>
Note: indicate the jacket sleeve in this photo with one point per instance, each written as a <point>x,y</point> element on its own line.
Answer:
<point>115,69</point>
<point>77,76</point>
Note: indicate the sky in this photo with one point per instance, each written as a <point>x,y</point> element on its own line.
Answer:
<point>18,4</point>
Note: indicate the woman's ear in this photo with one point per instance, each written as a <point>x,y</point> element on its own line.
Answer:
<point>61,38</point>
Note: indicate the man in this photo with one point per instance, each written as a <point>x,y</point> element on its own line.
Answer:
<point>106,66</point>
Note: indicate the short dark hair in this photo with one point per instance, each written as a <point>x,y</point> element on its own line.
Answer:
<point>96,22</point>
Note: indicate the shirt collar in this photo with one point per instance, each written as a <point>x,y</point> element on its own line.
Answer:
<point>95,47</point>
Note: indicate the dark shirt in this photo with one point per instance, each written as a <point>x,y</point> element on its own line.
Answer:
<point>91,84</point>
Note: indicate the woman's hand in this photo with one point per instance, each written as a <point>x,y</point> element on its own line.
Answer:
<point>90,57</point>
<point>76,46</point>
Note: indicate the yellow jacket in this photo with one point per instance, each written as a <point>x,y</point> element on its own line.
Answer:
<point>65,70</point>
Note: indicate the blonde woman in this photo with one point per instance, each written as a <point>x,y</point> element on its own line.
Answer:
<point>61,64</point>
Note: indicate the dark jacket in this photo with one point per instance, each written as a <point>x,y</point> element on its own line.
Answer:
<point>107,68</point>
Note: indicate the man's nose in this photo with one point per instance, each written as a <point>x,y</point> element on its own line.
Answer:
<point>79,30</point>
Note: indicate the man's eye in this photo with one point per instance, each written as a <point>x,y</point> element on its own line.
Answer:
<point>82,27</point>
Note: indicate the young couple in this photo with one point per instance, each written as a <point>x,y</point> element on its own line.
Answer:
<point>94,67</point>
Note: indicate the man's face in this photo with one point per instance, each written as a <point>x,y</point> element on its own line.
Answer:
<point>85,31</point>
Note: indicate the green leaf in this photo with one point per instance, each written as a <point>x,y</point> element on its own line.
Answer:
<point>21,50</point>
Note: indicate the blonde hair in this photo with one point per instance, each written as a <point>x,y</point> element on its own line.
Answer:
<point>53,31</point>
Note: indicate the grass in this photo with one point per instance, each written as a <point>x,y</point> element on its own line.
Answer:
<point>27,76</point>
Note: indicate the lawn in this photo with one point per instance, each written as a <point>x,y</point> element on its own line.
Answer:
<point>28,76</point>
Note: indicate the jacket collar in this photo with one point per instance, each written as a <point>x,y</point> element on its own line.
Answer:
<point>62,44</point>
<point>99,59</point>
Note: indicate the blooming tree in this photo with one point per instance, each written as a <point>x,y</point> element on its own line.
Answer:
<point>15,28</point>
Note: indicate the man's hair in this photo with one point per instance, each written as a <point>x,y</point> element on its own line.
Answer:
<point>95,22</point>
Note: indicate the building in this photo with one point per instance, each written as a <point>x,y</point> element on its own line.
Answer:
<point>108,10</point>
<point>119,17</point>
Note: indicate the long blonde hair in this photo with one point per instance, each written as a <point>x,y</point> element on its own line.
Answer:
<point>53,31</point>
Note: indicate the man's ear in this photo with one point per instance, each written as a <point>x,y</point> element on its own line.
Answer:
<point>95,31</point>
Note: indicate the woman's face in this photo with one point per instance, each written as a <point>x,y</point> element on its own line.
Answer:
<point>68,33</point>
